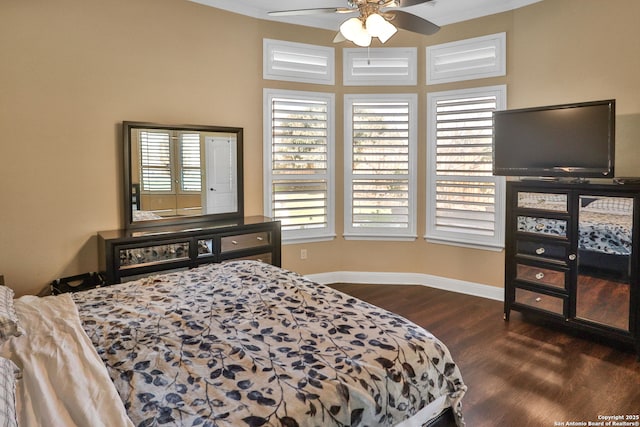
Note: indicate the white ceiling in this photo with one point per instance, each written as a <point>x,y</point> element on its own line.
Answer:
<point>440,12</point>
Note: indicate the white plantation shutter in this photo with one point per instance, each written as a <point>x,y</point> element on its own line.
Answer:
<point>464,200</point>
<point>386,66</point>
<point>298,62</point>
<point>190,168</point>
<point>380,145</point>
<point>155,161</point>
<point>298,152</point>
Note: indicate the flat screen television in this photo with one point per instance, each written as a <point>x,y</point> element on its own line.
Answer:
<point>570,140</point>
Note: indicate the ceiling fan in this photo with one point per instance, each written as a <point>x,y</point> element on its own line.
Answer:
<point>374,19</point>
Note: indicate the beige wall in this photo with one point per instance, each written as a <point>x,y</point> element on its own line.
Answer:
<point>72,70</point>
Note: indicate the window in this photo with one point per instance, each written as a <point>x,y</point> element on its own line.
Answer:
<point>465,202</point>
<point>191,176</point>
<point>469,59</point>
<point>298,155</point>
<point>163,163</point>
<point>387,66</point>
<point>298,62</point>
<point>380,166</point>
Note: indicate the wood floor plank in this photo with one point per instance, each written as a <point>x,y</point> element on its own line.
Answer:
<point>519,373</point>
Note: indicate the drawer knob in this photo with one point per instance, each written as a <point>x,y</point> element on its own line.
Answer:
<point>539,226</point>
<point>260,238</point>
<point>235,242</point>
<point>540,275</point>
<point>540,251</point>
<point>572,257</point>
<point>538,299</point>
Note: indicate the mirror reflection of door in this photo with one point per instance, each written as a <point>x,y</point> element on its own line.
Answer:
<point>221,189</point>
<point>604,254</point>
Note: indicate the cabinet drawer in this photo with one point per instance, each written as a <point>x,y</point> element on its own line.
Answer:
<point>539,301</point>
<point>542,276</point>
<point>205,247</point>
<point>553,202</point>
<point>245,241</point>
<point>266,258</point>
<point>542,249</point>
<point>138,257</point>
<point>542,226</point>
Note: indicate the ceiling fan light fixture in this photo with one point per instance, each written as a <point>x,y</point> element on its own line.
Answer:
<point>353,30</point>
<point>376,25</point>
<point>379,27</point>
<point>363,39</point>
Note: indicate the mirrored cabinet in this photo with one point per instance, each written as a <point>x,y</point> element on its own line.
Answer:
<point>130,254</point>
<point>184,204</point>
<point>571,256</point>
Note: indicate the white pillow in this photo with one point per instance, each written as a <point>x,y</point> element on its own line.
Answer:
<point>8,373</point>
<point>8,320</point>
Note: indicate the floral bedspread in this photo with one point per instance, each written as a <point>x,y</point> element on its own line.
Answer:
<point>248,344</point>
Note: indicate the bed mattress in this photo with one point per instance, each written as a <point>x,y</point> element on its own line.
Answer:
<point>246,343</point>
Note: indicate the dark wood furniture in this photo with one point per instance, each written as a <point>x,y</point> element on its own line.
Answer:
<point>129,254</point>
<point>571,255</point>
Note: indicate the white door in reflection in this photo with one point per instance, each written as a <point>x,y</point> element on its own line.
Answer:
<point>220,195</point>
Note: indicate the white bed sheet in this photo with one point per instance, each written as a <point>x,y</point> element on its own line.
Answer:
<point>64,382</point>
<point>427,413</point>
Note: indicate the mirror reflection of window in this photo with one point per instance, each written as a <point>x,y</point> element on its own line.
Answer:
<point>155,162</point>
<point>181,174</point>
<point>162,163</point>
<point>190,164</point>
<point>604,254</point>
<point>173,172</point>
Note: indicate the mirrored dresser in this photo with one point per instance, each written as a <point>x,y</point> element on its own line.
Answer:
<point>130,254</point>
<point>571,256</point>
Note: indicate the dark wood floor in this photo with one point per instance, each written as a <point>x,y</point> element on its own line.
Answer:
<point>518,372</point>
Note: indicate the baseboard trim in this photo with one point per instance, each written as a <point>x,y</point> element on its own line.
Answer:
<point>385,278</point>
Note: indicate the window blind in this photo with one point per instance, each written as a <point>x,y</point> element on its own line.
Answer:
<point>464,154</point>
<point>299,162</point>
<point>464,202</point>
<point>155,161</point>
<point>380,183</point>
<point>190,168</point>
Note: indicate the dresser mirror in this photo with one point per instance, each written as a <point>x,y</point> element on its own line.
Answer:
<point>604,260</point>
<point>181,174</point>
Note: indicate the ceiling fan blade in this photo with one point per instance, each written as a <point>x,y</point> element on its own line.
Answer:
<point>298,12</point>
<point>406,3</point>
<point>339,38</point>
<point>413,23</point>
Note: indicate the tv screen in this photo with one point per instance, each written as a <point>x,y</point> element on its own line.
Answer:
<point>570,140</point>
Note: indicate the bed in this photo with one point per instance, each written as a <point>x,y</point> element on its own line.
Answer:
<point>233,344</point>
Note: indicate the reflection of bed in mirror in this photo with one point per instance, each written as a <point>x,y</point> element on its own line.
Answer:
<point>139,215</point>
<point>604,246</point>
<point>176,174</point>
<point>604,227</point>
